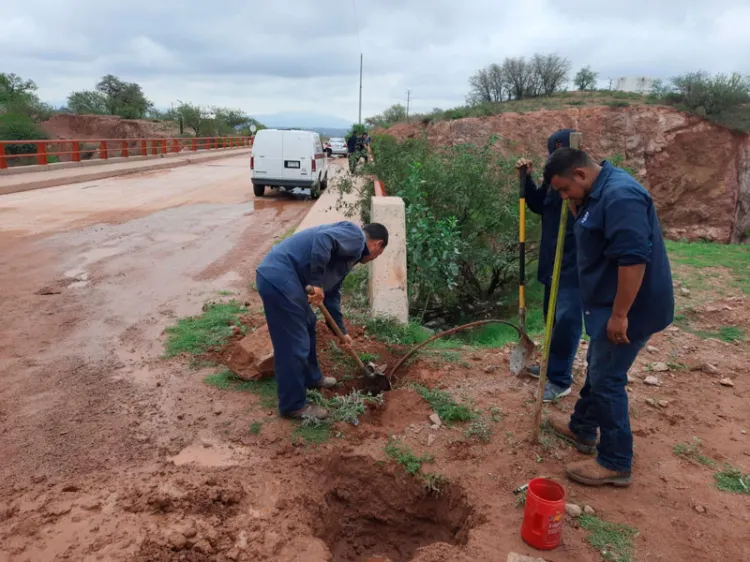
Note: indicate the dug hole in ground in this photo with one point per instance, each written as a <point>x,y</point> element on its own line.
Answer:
<point>125,442</point>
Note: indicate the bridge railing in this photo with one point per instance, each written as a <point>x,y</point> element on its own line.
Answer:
<point>43,152</point>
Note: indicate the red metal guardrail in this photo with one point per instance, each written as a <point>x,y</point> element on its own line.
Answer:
<point>56,150</point>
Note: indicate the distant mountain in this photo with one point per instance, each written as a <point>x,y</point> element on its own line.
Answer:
<point>316,121</point>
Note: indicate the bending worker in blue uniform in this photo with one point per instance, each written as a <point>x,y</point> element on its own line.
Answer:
<point>626,289</point>
<point>321,257</point>
<point>566,334</point>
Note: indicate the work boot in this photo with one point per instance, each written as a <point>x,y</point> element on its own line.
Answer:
<point>591,473</point>
<point>309,411</point>
<point>552,392</point>
<point>326,382</point>
<point>559,424</point>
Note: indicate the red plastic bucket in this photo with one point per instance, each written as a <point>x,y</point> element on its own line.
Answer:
<point>544,514</point>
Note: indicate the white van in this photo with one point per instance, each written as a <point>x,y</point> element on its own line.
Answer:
<point>292,161</point>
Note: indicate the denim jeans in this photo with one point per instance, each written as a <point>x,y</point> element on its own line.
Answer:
<point>291,324</point>
<point>566,334</point>
<point>604,402</point>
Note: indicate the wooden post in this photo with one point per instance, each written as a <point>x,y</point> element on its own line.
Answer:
<point>575,142</point>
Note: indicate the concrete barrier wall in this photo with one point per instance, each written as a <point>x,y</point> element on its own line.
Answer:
<point>387,284</point>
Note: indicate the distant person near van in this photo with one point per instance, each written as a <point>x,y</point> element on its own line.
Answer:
<point>352,147</point>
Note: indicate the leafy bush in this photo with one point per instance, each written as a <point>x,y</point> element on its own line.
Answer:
<point>705,94</point>
<point>19,127</point>
<point>461,218</point>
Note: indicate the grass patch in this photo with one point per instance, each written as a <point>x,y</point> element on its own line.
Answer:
<point>479,429</point>
<point>265,389</point>
<point>729,334</point>
<point>312,434</point>
<point>405,457</point>
<point>195,335</point>
<point>446,407</point>
<point>255,427</point>
<point>692,451</point>
<point>614,541</point>
<point>699,255</point>
<point>732,480</point>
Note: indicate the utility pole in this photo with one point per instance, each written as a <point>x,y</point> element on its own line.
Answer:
<point>360,88</point>
<point>408,99</point>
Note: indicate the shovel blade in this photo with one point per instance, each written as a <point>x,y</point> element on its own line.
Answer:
<point>520,354</point>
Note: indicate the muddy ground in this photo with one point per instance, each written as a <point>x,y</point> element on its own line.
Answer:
<point>112,453</point>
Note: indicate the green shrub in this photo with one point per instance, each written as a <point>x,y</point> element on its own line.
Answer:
<point>19,127</point>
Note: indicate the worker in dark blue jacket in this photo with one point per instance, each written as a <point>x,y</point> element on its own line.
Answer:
<point>626,291</point>
<point>568,322</point>
<point>319,257</point>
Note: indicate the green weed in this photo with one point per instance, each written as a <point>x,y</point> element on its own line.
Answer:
<point>312,433</point>
<point>345,408</point>
<point>405,457</point>
<point>265,389</point>
<point>732,480</point>
<point>614,541</point>
<point>446,407</point>
<point>692,451</point>
<point>195,335</point>
<point>479,429</point>
<point>496,414</point>
<point>255,427</point>
<point>521,498</point>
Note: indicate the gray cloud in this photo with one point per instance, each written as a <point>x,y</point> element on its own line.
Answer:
<point>297,55</point>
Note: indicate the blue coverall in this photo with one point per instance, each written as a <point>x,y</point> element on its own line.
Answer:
<point>617,226</point>
<point>320,256</point>
<point>566,334</point>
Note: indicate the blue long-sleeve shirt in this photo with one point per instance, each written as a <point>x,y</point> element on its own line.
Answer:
<point>618,226</point>
<point>546,202</point>
<point>321,256</point>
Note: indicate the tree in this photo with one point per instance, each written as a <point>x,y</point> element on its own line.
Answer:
<point>585,79</point>
<point>18,97</point>
<point>487,85</point>
<point>551,73</point>
<point>394,114</point>
<point>87,102</point>
<point>112,96</point>
<point>520,76</point>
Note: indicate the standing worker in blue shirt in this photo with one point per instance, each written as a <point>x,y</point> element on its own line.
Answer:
<point>566,333</point>
<point>320,257</point>
<point>626,289</point>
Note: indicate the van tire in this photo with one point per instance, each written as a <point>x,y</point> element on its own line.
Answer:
<point>259,190</point>
<point>329,152</point>
<point>315,191</point>
<point>324,184</point>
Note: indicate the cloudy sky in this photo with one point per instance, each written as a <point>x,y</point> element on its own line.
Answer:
<point>303,55</point>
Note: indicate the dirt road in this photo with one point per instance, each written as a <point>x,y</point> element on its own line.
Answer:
<point>90,275</point>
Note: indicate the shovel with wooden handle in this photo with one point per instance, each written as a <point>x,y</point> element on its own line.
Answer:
<point>370,370</point>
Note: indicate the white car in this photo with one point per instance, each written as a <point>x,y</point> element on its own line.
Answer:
<point>336,146</point>
<point>291,161</point>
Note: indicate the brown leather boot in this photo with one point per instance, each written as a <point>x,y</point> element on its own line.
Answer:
<point>309,411</point>
<point>559,423</point>
<point>591,473</point>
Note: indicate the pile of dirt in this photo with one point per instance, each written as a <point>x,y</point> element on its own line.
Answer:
<point>68,126</point>
<point>698,172</point>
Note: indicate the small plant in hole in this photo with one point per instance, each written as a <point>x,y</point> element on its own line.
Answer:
<point>345,408</point>
<point>732,480</point>
<point>446,407</point>
<point>368,357</point>
<point>692,451</point>
<point>613,540</point>
<point>255,427</point>
<point>433,482</point>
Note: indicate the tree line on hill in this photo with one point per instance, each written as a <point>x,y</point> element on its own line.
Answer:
<point>547,75</point>
<point>22,111</point>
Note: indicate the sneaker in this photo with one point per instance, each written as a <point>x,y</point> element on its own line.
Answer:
<point>326,382</point>
<point>552,392</point>
<point>309,411</point>
<point>591,473</point>
<point>559,424</point>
